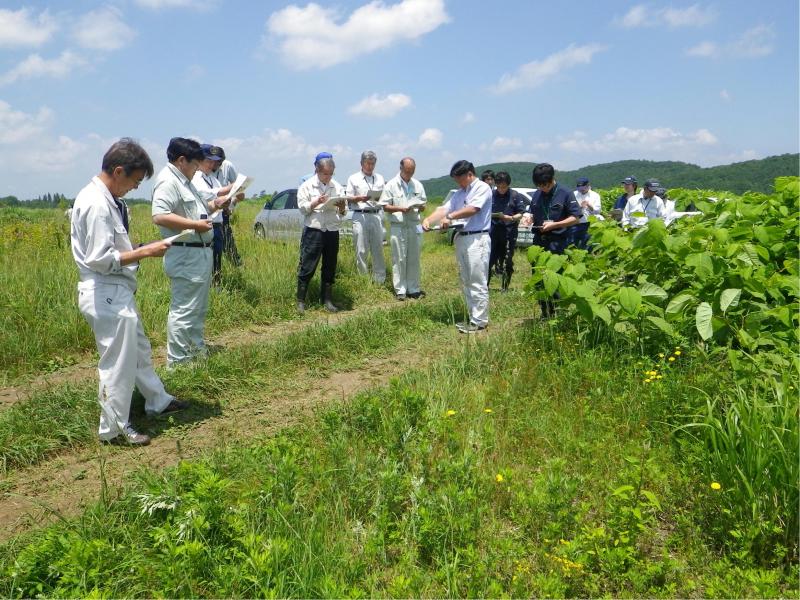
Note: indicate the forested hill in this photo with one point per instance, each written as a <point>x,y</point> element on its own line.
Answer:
<point>753,175</point>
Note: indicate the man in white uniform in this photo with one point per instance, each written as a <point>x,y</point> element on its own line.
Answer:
<point>177,205</point>
<point>320,239</point>
<point>591,206</point>
<point>646,202</point>
<point>473,202</point>
<point>107,264</point>
<point>403,199</point>
<point>367,217</point>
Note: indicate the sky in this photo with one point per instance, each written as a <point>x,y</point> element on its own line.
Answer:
<point>571,83</point>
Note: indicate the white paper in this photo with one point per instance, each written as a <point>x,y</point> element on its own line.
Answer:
<point>178,236</point>
<point>240,185</point>
<point>416,203</point>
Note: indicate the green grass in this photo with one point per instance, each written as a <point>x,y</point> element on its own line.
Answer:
<point>505,468</point>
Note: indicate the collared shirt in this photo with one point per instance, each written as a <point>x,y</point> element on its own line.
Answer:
<point>98,237</point>
<point>595,206</point>
<point>207,186</point>
<point>226,173</point>
<point>397,192</point>
<point>652,207</point>
<point>621,201</point>
<point>556,205</point>
<point>325,217</point>
<point>174,193</point>
<point>511,203</point>
<point>359,184</point>
<point>478,194</point>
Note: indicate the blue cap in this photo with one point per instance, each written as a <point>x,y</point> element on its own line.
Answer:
<point>582,181</point>
<point>630,179</point>
<point>211,152</point>
<point>322,155</point>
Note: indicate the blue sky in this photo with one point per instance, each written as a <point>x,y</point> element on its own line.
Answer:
<point>572,83</point>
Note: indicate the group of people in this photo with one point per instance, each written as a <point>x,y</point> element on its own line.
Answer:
<point>193,192</point>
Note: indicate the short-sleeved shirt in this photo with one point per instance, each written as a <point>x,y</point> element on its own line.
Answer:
<point>359,184</point>
<point>207,186</point>
<point>652,207</point>
<point>98,237</point>
<point>557,205</point>
<point>478,194</point>
<point>174,193</point>
<point>325,217</point>
<point>397,192</point>
<point>511,203</point>
<point>226,173</point>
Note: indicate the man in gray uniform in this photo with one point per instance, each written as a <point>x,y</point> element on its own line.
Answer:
<point>177,206</point>
<point>107,264</point>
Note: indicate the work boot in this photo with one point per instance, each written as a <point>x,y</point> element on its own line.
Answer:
<point>327,298</point>
<point>302,288</point>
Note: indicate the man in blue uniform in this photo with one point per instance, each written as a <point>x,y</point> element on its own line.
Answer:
<point>553,210</point>
<point>508,206</point>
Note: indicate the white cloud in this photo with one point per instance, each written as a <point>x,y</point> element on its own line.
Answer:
<point>644,16</point>
<point>725,95</point>
<point>103,29</point>
<point>35,66</point>
<point>159,4</point>
<point>538,72</point>
<point>467,118</point>
<point>17,126</point>
<point>22,28</point>
<point>646,142</point>
<point>501,142</point>
<point>314,36</point>
<point>430,138</point>
<point>380,107</point>
<point>756,42</point>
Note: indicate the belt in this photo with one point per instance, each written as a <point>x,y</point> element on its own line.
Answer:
<point>472,232</point>
<point>372,211</point>
<point>193,244</point>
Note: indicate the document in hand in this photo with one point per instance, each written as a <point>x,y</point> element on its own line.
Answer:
<point>330,202</point>
<point>416,202</point>
<point>241,184</point>
<point>179,236</point>
<point>373,196</point>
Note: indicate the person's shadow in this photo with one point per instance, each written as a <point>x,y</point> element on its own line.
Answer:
<point>198,411</point>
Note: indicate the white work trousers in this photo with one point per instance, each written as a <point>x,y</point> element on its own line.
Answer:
<point>368,239</point>
<point>472,253</point>
<point>406,241</point>
<point>125,355</point>
<point>189,270</point>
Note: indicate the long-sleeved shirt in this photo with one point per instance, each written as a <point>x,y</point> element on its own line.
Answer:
<point>595,206</point>
<point>226,173</point>
<point>174,193</point>
<point>558,204</point>
<point>398,192</point>
<point>652,207</point>
<point>207,186</point>
<point>477,194</point>
<point>324,217</point>
<point>98,237</point>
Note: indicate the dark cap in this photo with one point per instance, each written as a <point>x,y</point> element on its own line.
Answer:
<point>630,179</point>
<point>662,193</point>
<point>582,181</point>
<point>652,185</point>
<point>211,152</point>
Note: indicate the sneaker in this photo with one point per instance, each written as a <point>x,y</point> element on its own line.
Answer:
<point>401,297</point>
<point>472,328</point>
<point>129,437</point>
<point>417,295</point>
<point>173,407</point>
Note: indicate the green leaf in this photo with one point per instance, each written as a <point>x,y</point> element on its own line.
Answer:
<point>567,286</point>
<point>601,312</point>
<point>652,498</point>
<point>662,325</point>
<point>729,297</point>
<point>678,303</point>
<point>630,300</point>
<point>703,320</point>
<point>555,262</point>
<point>651,290</point>
<point>550,282</point>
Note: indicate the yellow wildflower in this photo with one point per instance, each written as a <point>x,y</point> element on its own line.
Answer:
<point>487,410</point>
<point>715,486</point>
<point>498,478</point>
<point>671,359</point>
<point>660,355</point>
<point>450,413</point>
<point>677,352</point>
<point>659,376</point>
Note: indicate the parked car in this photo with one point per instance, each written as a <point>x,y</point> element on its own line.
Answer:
<point>525,235</point>
<point>280,219</point>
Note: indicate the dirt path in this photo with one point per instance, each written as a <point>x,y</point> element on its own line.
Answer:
<point>86,369</point>
<point>68,482</point>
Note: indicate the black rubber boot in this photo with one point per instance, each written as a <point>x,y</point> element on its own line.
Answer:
<point>327,298</point>
<point>302,288</point>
